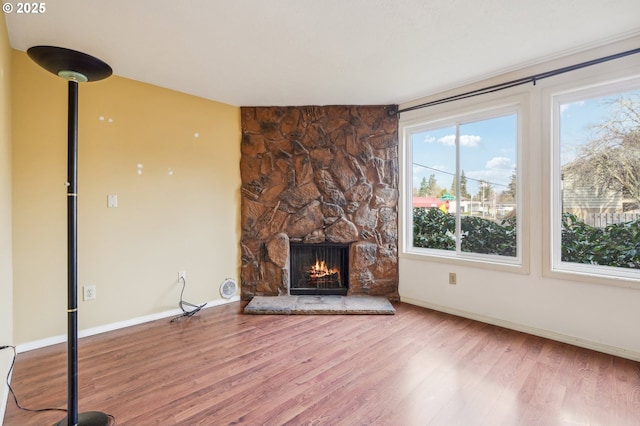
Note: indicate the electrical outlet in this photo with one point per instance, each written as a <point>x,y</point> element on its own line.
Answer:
<point>182,276</point>
<point>89,292</point>
<point>452,278</point>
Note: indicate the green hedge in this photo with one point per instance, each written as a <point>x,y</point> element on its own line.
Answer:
<point>432,228</point>
<point>614,245</point>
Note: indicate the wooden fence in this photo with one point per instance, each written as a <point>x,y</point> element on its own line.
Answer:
<point>600,220</point>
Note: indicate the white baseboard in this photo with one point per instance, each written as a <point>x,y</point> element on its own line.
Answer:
<point>29,346</point>
<point>576,341</point>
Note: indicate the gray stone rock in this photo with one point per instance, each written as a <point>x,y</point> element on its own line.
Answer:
<point>385,196</point>
<point>363,254</point>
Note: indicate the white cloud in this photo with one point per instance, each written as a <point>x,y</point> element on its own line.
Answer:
<point>465,140</point>
<point>449,140</point>
<point>565,107</point>
<point>470,140</point>
<point>499,163</point>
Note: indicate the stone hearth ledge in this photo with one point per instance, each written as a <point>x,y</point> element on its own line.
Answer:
<point>320,305</point>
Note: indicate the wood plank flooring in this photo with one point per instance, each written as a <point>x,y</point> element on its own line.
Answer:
<point>418,367</point>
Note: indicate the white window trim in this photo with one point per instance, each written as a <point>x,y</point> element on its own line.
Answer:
<point>552,97</point>
<point>536,152</point>
<point>450,114</point>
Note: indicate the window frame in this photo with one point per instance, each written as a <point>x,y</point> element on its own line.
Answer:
<point>553,98</point>
<point>458,114</point>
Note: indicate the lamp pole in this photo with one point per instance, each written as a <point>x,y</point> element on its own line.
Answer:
<point>75,67</point>
<point>72,255</point>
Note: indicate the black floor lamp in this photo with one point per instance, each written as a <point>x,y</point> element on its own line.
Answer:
<point>76,67</point>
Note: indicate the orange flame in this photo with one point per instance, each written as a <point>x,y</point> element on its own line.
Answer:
<point>320,269</point>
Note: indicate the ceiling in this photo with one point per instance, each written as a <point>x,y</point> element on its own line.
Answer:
<point>322,52</point>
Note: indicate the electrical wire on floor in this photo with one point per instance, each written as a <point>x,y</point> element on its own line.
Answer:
<point>15,398</point>
<point>112,419</point>
<point>186,313</point>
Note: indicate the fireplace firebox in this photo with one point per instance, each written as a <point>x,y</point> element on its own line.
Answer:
<point>319,269</point>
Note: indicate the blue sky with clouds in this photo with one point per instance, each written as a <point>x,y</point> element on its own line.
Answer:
<point>488,151</point>
<point>488,148</point>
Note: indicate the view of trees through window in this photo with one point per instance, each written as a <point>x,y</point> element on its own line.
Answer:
<point>600,179</point>
<point>464,186</point>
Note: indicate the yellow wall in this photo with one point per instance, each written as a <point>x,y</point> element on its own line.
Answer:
<point>173,161</point>
<point>6,275</point>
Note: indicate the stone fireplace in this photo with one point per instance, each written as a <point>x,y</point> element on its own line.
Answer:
<point>319,176</point>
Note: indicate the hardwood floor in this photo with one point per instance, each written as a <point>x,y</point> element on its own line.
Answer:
<point>418,367</point>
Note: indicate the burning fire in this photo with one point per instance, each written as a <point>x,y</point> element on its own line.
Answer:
<point>320,270</point>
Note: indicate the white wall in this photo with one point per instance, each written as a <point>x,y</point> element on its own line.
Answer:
<point>588,312</point>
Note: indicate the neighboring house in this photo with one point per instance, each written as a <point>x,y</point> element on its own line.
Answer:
<point>472,207</point>
<point>581,198</point>
<point>434,202</point>
<point>427,202</point>
<point>597,208</point>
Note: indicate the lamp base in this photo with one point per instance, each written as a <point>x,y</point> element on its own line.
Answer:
<point>90,418</point>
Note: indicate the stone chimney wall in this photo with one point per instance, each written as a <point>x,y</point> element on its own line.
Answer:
<point>319,174</point>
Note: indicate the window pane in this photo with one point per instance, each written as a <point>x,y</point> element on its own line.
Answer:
<point>600,180</point>
<point>479,194</point>
<point>488,158</point>
<point>434,168</point>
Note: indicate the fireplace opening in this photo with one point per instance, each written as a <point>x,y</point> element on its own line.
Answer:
<point>319,269</point>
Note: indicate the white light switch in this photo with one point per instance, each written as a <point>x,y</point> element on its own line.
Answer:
<point>112,201</point>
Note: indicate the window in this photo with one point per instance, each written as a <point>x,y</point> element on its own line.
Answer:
<point>461,189</point>
<point>596,184</point>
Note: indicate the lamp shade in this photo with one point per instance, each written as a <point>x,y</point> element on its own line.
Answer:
<point>69,64</point>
